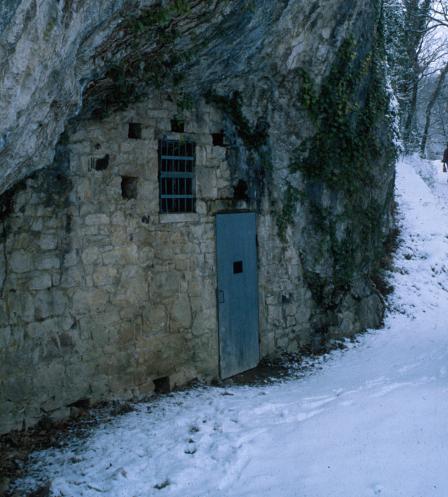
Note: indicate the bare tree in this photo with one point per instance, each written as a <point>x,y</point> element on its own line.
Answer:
<point>417,20</point>
<point>439,14</point>
<point>429,108</point>
<point>441,119</point>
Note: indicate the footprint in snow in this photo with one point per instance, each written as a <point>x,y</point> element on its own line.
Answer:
<point>162,485</point>
<point>378,489</point>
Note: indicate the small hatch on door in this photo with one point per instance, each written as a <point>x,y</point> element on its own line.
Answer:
<point>237,267</point>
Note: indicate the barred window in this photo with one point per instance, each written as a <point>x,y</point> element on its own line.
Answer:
<point>176,176</point>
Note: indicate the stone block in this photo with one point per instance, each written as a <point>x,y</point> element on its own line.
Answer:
<point>104,276</point>
<point>41,333</point>
<point>81,148</point>
<point>118,218</point>
<point>49,379</point>
<point>68,322</point>
<point>89,300</point>
<point>182,264</point>
<point>98,240</point>
<point>43,305</point>
<point>71,278</point>
<point>40,281</point>
<point>155,319</point>
<point>84,189</point>
<point>53,222</point>
<point>5,337</point>
<point>121,255</point>
<point>91,255</point>
<point>49,303</point>
<point>127,333</point>
<point>47,262</point>
<point>220,154</point>
<point>20,309</point>
<point>181,312</point>
<point>89,230</point>
<point>20,261</point>
<point>201,156</point>
<point>18,388</point>
<point>189,217</point>
<point>70,259</point>
<point>224,188</point>
<point>95,219</point>
<point>133,286</point>
<point>48,242</point>
<point>148,193</point>
<point>207,183</point>
<point>146,256</point>
<point>165,284</point>
<point>195,287</point>
<point>291,321</point>
<point>37,225</point>
<point>118,235</point>
<point>207,247</point>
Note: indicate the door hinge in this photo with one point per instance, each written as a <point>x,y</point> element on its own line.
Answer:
<point>220,296</point>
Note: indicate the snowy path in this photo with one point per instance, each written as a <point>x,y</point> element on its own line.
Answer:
<point>373,421</point>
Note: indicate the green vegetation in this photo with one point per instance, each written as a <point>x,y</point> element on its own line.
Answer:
<point>347,141</point>
<point>158,16</point>
<point>351,136</point>
<point>253,138</point>
<point>50,26</point>
<point>161,67</point>
<point>286,217</point>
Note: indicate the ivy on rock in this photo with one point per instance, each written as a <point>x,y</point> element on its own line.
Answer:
<point>351,137</point>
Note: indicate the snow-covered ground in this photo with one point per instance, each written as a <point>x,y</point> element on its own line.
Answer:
<point>371,420</point>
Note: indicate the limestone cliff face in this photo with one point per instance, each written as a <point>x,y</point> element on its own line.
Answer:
<point>297,87</point>
<point>52,51</point>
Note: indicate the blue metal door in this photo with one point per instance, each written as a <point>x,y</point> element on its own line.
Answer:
<point>237,292</point>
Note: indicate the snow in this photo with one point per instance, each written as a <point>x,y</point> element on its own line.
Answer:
<point>370,420</point>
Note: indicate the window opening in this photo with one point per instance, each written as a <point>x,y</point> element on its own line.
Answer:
<point>177,126</point>
<point>135,131</point>
<point>218,139</point>
<point>129,186</point>
<point>176,176</point>
<point>101,164</point>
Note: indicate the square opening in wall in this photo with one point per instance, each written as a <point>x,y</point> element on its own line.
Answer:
<point>162,385</point>
<point>135,131</point>
<point>177,125</point>
<point>102,164</point>
<point>240,190</point>
<point>129,187</point>
<point>218,139</point>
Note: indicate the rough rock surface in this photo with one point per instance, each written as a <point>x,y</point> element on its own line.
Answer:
<point>299,90</point>
<point>53,49</point>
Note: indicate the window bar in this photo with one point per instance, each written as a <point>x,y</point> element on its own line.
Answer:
<point>176,176</point>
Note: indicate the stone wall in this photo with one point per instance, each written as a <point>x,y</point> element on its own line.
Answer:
<point>101,294</point>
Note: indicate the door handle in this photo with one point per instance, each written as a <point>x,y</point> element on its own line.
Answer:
<point>220,295</point>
